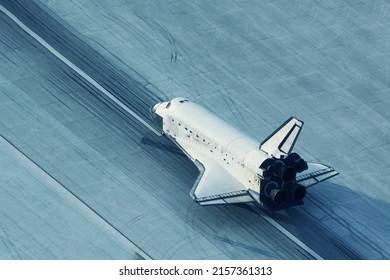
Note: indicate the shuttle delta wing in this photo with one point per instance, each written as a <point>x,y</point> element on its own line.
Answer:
<point>215,185</point>
<point>315,173</point>
<point>282,141</point>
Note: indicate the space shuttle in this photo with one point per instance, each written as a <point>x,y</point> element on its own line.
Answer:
<point>234,167</point>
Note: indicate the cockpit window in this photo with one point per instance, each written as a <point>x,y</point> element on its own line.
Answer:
<point>168,105</point>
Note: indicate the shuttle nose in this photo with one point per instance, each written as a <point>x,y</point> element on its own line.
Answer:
<point>154,108</point>
<point>155,115</point>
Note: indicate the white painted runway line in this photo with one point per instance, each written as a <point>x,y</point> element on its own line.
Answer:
<point>75,68</point>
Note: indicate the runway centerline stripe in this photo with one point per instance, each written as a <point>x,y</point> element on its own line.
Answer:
<point>76,69</point>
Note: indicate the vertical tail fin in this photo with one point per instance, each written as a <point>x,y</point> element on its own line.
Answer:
<point>282,140</point>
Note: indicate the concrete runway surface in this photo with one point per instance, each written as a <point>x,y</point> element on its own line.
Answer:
<point>83,179</point>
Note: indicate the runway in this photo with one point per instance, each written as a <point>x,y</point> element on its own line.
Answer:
<point>138,182</point>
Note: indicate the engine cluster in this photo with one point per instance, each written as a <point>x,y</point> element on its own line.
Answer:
<point>279,179</point>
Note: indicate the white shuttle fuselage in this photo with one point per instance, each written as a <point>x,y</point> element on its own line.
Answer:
<point>235,168</point>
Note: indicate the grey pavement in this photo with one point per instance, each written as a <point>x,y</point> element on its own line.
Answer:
<point>254,63</point>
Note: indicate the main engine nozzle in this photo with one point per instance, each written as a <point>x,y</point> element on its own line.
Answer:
<point>296,161</point>
<point>297,192</point>
<point>278,196</point>
<point>286,173</point>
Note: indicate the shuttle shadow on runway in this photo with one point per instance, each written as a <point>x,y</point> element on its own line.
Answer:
<point>161,146</point>
<point>324,218</point>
